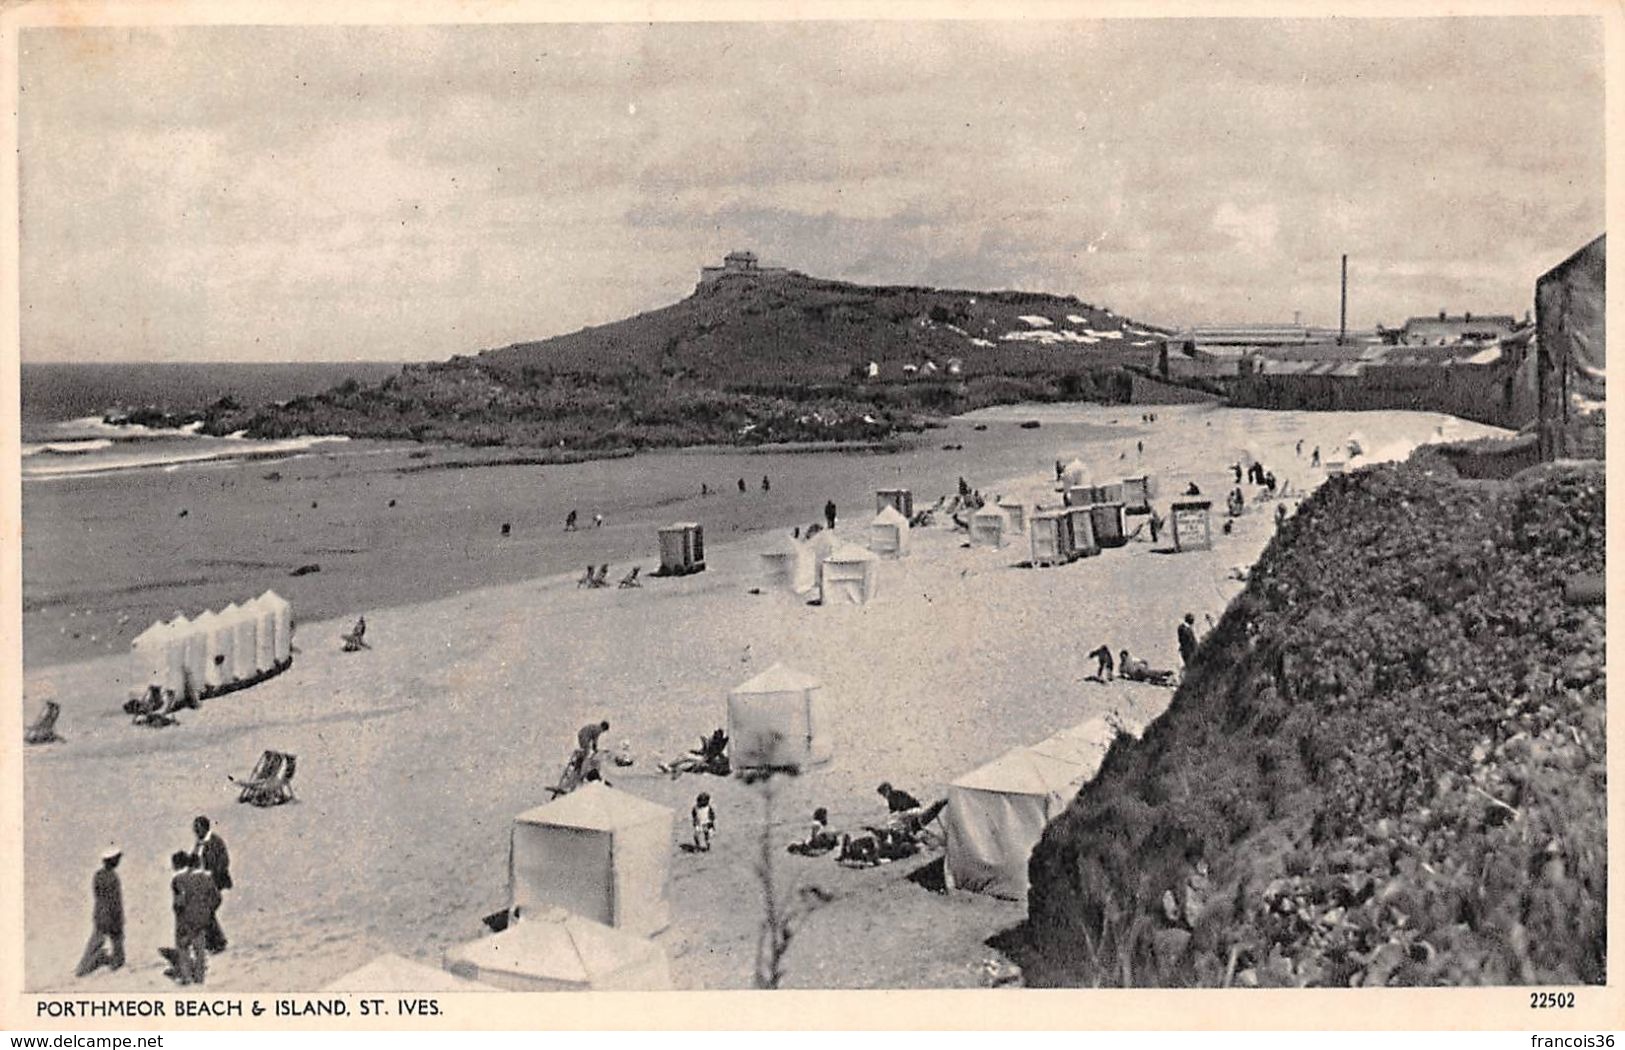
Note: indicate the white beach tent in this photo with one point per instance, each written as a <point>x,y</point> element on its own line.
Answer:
<point>151,661</point>
<point>224,645</point>
<point>847,574</point>
<point>1016,511</point>
<point>207,626</point>
<point>889,533</point>
<point>245,629</point>
<point>1074,473</point>
<point>778,719</point>
<point>1083,745</point>
<point>988,527</point>
<point>282,625</point>
<point>996,815</point>
<point>598,851</point>
<point>188,644</point>
<point>552,950</point>
<point>264,614</point>
<point>393,973</point>
<point>789,564</point>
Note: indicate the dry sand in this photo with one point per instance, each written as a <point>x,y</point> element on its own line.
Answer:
<point>414,756</point>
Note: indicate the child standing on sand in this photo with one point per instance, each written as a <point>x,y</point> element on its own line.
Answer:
<point>704,819</point>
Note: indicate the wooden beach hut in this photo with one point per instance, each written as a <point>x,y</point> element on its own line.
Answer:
<point>1137,495</point>
<point>1193,531</point>
<point>1074,473</point>
<point>264,613</point>
<point>1051,538</point>
<point>551,950</point>
<point>900,500</point>
<point>1110,529</point>
<point>245,626</point>
<point>789,565</point>
<point>889,533</point>
<point>777,719</point>
<point>598,851</point>
<point>1082,520</point>
<point>281,626</point>
<point>989,527</point>
<point>682,549</point>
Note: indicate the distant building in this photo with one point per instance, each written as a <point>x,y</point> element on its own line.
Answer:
<point>739,264</point>
<point>1446,330</point>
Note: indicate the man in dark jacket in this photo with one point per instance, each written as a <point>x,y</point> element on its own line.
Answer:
<point>1187,639</point>
<point>195,899</point>
<point>107,918</point>
<point>829,513</point>
<point>897,801</point>
<point>211,851</point>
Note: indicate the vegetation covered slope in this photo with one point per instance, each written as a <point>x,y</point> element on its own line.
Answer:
<point>741,361</point>
<point>1385,768</point>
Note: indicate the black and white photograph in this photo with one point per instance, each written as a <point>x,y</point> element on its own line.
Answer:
<point>981,500</point>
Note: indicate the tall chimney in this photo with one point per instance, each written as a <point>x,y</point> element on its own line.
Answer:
<point>1343,309</point>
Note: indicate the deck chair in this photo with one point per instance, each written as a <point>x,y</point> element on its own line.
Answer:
<point>574,775</point>
<point>271,783</point>
<point>631,578</point>
<point>43,731</point>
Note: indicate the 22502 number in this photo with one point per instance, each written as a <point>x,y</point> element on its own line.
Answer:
<point>1551,1000</point>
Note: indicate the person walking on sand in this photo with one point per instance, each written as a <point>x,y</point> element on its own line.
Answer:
<point>195,899</point>
<point>106,918</point>
<point>829,514</point>
<point>741,486</point>
<point>570,522</point>
<point>704,819</point>
<point>1103,663</point>
<point>1314,457</point>
<point>216,860</point>
<point>705,490</point>
<point>597,521</point>
<point>767,486</point>
<point>1187,639</point>
<point>587,736</point>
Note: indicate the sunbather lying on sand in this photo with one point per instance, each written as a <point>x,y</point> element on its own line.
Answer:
<point>1136,670</point>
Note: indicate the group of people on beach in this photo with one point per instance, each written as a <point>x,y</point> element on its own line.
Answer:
<point>1133,669</point>
<point>201,875</point>
<point>767,486</point>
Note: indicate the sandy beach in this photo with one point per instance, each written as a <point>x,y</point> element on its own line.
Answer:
<point>414,756</point>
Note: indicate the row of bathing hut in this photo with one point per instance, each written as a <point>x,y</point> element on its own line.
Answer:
<point>216,652</point>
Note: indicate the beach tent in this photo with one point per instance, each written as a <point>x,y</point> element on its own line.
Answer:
<point>1016,511</point>
<point>1084,745</point>
<point>1074,473</point>
<point>600,852</point>
<point>264,614</point>
<point>1051,538</point>
<point>682,548</point>
<point>155,659</point>
<point>996,815</point>
<point>777,719</point>
<point>889,533</point>
<point>554,951</point>
<point>225,641</point>
<point>207,626</point>
<point>847,574</point>
<point>988,527</point>
<point>188,651</point>
<point>1110,530</point>
<point>245,631</point>
<point>392,973</point>
<point>1084,544</point>
<point>789,564</point>
<point>900,500</point>
<point>282,626</point>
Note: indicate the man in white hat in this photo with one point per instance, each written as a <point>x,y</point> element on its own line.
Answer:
<point>107,917</point>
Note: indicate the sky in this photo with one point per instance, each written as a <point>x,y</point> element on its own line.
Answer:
<point>410,193</point>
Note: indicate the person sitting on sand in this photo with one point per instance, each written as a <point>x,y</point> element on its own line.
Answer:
<point>897,801</point>
<point>1103,663</point>
<point>623,754</point>
<point>1193,489</point>
<point>861,851</point>
<point>820,839</point>
<point>1136,670</point>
